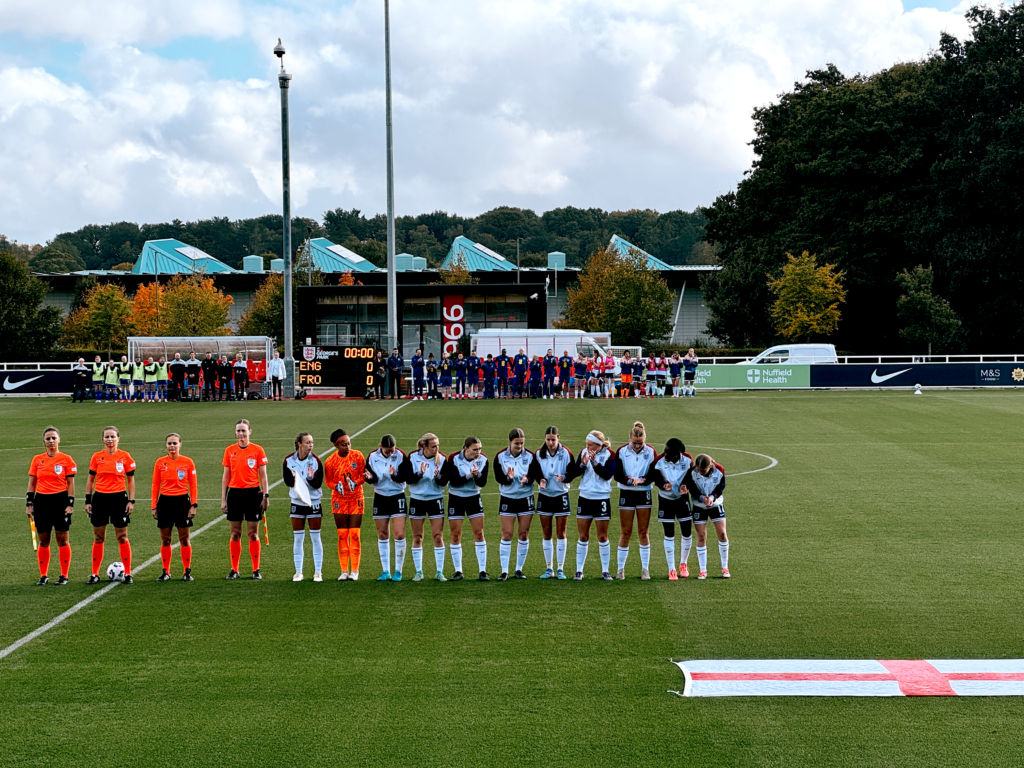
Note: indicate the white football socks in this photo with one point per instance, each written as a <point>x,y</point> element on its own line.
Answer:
<point>581,554</point>
<point>605,548</point>
<point>399,554</point>
<point>723,552</point>
<point>560,552</point>
<point>549,552</point>
<point>504,553</point>
<point>456,557</point>
<point>298,542</point>
<point>384,550</point>
<point>645,556</point>
<point>439,558</point>
<point>685,542</point>
<point>417,558</point>
<point>670,552</point>
<point>318,551</point>
<point>620,557</point>
<point>481,555</point>
<point>522,549</point>
<point>702,558</point>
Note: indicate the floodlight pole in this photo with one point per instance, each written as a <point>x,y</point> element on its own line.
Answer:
<point>392,280</point>
<point>517,259</point>
<point>283,80</point>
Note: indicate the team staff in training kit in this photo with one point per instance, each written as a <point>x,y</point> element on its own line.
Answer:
<point>174,501</point>
<point>245,496</point>
<point>50,502</point>
<point>109,500</point>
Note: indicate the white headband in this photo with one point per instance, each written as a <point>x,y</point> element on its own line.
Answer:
<point>592,438</point>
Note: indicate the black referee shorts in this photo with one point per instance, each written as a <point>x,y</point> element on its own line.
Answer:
<point>172,512</point>
<point>110,509</point>
<point>245,504</point>
<point>48,512</point>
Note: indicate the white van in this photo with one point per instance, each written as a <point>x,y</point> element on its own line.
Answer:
<point>490,341</point>
<point>795,354</point>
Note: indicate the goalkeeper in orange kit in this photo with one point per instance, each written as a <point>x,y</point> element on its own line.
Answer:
<point>344,474</point>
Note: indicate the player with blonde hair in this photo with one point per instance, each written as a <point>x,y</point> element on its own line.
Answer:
<point>426,500</point>
<point>596,467</point>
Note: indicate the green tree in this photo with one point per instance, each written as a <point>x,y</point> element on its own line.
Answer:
<point>57,256</point>
<point>265,316</point>
<point>30,330</point>
<point>640,306</point>
<point>926,318</point>
<point>620,295</point>
<point>807,298</point>
<point>190,305</point>
<point>104,321</point>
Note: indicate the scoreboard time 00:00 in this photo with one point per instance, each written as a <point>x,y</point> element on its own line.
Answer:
<point>338,367</point>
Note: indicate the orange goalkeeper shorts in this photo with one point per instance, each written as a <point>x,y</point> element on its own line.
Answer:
<point>347,505</point>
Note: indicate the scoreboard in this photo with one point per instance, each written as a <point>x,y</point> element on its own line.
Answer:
<point>349,367</point>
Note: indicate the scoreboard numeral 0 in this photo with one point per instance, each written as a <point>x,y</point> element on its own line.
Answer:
<point>369,381</point>
<point>369,367</point>
<point>358,352</point>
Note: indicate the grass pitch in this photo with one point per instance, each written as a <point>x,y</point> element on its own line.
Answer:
<point>889,530</point>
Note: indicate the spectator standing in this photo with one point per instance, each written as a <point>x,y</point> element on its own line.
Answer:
<point>380,376</point>
<point>176,368</point>
<point>395,366</point>
<point>241,371</point>
<point>209,371</point>
<point>276,372</point>
<point>82,376</point>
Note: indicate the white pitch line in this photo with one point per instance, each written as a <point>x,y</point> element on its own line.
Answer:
<point>774,461</point>
<point>96,595</point>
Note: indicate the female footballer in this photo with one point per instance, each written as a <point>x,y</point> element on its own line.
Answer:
<point>49,503</point>
<point>674,503</point>
<point>515,470</point>
<point>174,501</point>
<point>557,469</point>
<point>345,473</point>
<point>426,500</point>
<point>244,496</point>
<point>385,469</point>
<point>632,463</point>
<point>305,467</point>
<point>705,481</point>
<point>110,500</point>
<point>596,467</point>
<point>444,372</point>
<point>465,473</point>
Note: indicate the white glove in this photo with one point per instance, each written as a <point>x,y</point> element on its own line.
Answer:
<point>340,488</point>
<point>351,484</point>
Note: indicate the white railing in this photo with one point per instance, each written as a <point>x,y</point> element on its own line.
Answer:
<point>59,366</point>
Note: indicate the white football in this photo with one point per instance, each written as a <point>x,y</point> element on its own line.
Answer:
<point>115,571</point>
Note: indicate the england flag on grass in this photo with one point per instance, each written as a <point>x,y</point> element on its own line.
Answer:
<point>819,677</point>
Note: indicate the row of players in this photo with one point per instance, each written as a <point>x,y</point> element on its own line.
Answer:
<point>152,380</point>
<point>690,491</point>
<point>473,377</point>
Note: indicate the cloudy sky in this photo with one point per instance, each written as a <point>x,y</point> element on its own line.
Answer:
<point>149,111</point>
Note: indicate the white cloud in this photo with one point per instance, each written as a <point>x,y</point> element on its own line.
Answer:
<point>609,103</point>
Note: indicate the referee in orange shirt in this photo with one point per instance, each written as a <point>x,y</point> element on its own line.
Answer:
<point>174,501</point>
<point>244,495</point>
<point>109,500</point>
<point>50,501</point>
<point>344,474</point>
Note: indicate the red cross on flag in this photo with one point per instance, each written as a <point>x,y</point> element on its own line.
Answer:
<point>823,677</point>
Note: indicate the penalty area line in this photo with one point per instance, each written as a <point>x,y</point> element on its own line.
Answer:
<point>155,558</point>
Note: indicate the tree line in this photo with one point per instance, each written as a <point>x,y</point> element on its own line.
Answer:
<point>908,181</point>
<point>674,237</point>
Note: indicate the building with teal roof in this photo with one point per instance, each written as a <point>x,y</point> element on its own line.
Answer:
<point>622,247</point>
<point>171,257</point>
<point>475,257</point>
<point>329,257</point>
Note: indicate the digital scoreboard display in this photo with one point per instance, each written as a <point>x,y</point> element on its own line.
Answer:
<point>349,367</point>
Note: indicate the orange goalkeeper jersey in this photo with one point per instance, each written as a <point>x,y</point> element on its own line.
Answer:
<point>338,471</point>
<point>174,477</point>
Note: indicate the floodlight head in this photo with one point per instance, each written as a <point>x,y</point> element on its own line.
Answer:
<point>279,49</point>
